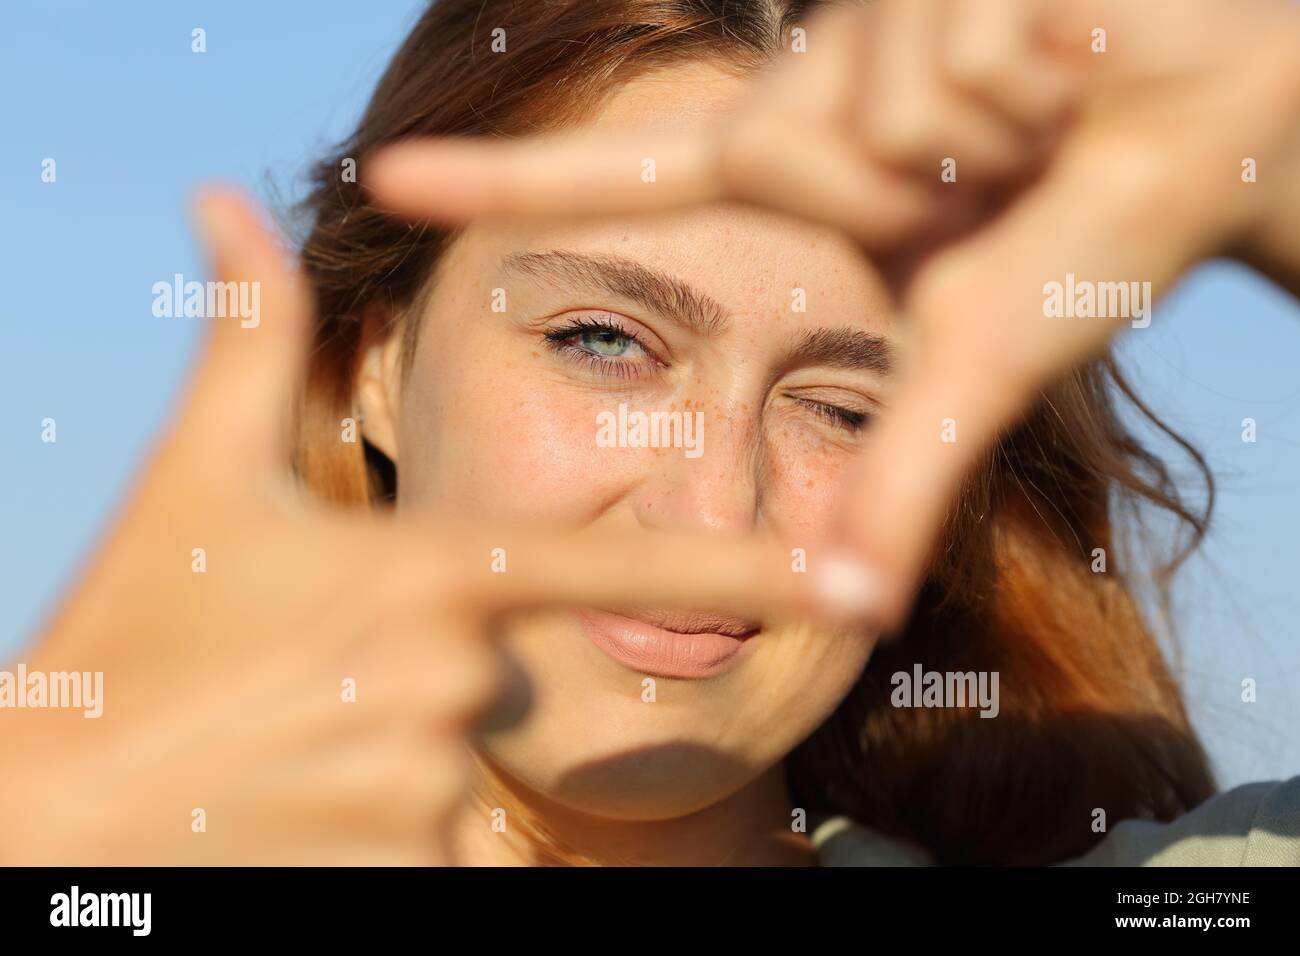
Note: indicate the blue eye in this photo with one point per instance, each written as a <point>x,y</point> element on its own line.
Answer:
<point>606,342</point>
<point>602,345</point>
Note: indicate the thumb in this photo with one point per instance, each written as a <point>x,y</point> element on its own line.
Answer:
<point>986,340</point>
<point>241,402</point>
<point>915,460</point>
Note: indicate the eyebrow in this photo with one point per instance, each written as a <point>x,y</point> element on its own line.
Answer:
<point>852,349</point>
<point>658,291</point>
<point>847,348</point>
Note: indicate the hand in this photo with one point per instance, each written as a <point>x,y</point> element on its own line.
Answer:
<point>1116,166</point>
<point>224,689</point>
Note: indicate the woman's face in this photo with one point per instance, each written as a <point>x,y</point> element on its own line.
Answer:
<point>770,338</point>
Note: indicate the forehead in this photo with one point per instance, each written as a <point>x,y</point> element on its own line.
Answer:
<point>751,260</point>
<point>677,99</point>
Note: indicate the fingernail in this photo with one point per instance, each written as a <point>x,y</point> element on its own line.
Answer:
<point>846,587</point>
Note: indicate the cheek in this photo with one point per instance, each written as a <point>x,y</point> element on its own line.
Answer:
<point>504,440</point>
<point>804,474</point>
<point>805,672</point>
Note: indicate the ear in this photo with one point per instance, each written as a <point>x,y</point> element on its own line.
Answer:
<point>377,388</point>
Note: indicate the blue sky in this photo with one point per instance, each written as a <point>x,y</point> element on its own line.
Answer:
<point>134,120</point>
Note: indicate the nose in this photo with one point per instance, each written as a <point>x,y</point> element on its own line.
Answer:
<point>718,490</point>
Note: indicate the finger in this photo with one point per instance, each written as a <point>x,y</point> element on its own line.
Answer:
<point>240,404</point>
<point>396,784</point>
<point>816,174</point>
<point>822,175</point>
<point>787,149</point>
<point>576,173</point>
<point>433,675</point>
<point>910,118</point>
<point>985,345</point>
<point>815,79</point>
<point>990,50</point>
<point>791,149</point>
<point>915,461</point>
<point>487,573</point>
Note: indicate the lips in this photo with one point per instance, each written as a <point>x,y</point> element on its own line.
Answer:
<point>689,645</point>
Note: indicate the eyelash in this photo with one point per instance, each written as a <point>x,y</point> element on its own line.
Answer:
<point>558,340</point>
<point>845,418</point>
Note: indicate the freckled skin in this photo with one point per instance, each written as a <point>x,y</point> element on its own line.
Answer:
<point>492,422</point>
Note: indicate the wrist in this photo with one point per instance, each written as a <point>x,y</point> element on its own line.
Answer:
<point>43,787</point>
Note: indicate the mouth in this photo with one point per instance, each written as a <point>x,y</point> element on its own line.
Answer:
<point>688,645</point>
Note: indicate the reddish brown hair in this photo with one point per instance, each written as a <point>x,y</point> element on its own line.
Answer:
<point>1090,715</point>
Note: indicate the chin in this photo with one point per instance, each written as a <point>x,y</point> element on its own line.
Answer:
<point>607,739</point>
<point>647,783</point>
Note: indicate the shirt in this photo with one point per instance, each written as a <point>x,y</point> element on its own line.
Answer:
<point>1257,824</point>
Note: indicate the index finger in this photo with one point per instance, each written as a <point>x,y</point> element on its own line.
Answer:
<point>493,571</point>
<point>787,146</point>
<point>455,179</point>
